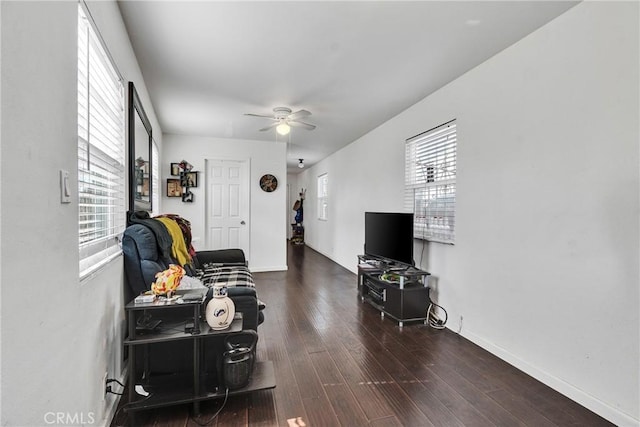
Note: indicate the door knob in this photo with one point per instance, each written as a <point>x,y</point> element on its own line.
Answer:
<point>242,222</point>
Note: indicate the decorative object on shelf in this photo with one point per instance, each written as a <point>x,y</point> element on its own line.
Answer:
<point>173,187</point>
<point>187,197</point>
<point>185,166</point>
<point>168,280</point>
<point>301,163</point>
<point>268,183</point>
<point>190,179</point>
<point>220,309</point>
<point>390,278</point>
<point>175,169</point>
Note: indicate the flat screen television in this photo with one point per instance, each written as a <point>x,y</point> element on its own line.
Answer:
<point>389,235</point>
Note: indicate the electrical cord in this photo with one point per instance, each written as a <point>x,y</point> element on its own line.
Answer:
<point>115,417</point>
<point>110,390</point>
<point>206,423</point>
<point>113,380</point>
<point>432,318</point>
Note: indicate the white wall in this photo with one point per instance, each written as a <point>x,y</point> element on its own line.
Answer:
<point>545,269</point>
<point>268,210</point>
<point>59,336</point>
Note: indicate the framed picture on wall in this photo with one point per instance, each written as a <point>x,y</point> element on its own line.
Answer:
<point>174,189</point>
<point>190,179</point>
<point>175,169</point>
<point>187,197</point>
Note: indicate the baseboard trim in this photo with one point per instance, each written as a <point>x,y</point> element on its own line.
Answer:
<point>266,269</point>
<point>590,402</point>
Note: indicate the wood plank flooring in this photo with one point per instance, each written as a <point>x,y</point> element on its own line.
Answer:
<point>337,363</point>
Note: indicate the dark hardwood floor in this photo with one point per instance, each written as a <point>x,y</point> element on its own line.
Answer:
<point>337,363</point>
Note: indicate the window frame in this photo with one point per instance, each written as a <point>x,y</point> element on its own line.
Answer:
<point>431,182</point>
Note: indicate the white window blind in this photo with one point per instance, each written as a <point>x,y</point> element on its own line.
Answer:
<point>155,182</point>
<point>101,150</point>
<point>323,196</point>
<point>430,183</point>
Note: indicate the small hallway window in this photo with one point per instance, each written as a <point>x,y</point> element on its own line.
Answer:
<point>323,196</point>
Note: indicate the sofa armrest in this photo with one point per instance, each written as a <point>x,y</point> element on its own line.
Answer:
<point>241,291</point>
<point>236,291</point>
<point>220,256</point>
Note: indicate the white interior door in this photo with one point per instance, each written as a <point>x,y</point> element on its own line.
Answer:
<point>228,204</point>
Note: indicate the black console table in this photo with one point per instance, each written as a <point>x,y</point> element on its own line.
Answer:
<point>398,291</point>
<point>181,389</point>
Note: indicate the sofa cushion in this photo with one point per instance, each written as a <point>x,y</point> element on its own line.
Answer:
<point>141,258</point>
<point>146,242</point>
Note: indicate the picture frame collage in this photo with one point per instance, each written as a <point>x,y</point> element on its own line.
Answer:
<point>179,187</point>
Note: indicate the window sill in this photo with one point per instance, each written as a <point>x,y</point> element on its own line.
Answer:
<point>92,271</point>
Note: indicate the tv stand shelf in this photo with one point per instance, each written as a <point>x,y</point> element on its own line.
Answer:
<point>396,290</point>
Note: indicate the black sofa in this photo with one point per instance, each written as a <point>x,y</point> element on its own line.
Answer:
<point>143,258</point>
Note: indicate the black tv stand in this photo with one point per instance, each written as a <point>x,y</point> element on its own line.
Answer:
<point>397,290</point>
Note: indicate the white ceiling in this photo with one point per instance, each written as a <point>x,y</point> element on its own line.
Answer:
<point>352,64</point>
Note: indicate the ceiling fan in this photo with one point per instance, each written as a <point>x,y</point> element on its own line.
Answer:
<point>284,119</point>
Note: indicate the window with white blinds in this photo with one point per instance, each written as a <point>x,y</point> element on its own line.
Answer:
<point>101,150</point>
<point>323,197</point>
<point>430,183</point>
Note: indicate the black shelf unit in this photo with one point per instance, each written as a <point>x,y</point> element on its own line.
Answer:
<point>406,300</point>
<point>181,388</point>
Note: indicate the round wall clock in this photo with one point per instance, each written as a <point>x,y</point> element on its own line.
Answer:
<point>268,183</point>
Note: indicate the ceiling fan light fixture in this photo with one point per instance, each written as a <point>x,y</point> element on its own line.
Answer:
<point>301,163</point>
<point>284,120</point>
<point>283,129</point>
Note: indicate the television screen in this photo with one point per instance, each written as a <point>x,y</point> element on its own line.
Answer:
<point>389,235</point>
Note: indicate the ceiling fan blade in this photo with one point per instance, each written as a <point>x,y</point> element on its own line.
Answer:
<point>259,115</point>
<point>298,115</point>
<point>301,125</point>
<point>271,126</point>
